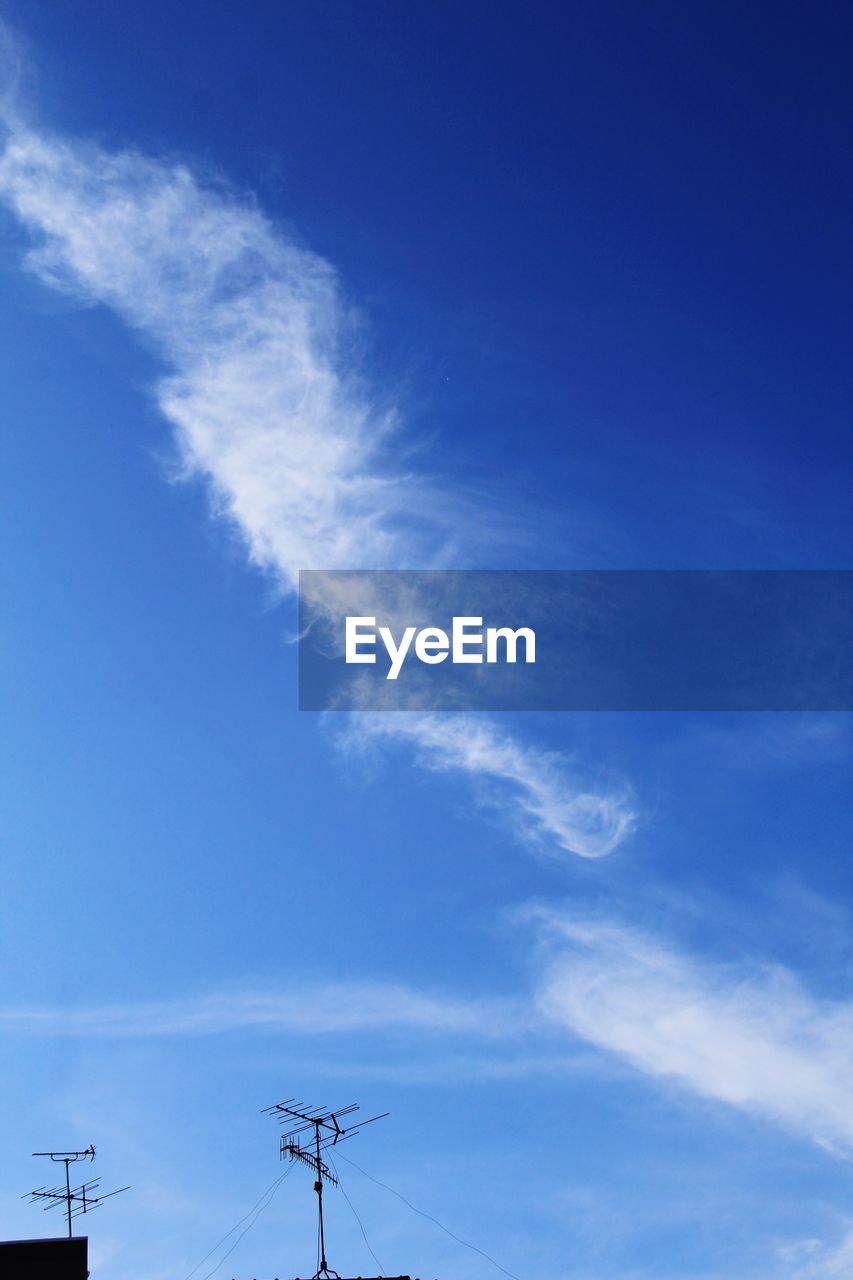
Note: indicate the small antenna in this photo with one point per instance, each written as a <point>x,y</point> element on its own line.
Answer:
<point>77,1200</point>
<point>311,1130</point>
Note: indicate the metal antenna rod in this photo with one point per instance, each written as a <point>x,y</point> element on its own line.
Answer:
<point>79,1200</point>
<point>67,1158</point>
<point>322,1269</point>
<point>327,1132</point>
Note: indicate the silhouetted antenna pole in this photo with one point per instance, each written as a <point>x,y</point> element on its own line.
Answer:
<point>310,1130</point>
<point>77,1200</point>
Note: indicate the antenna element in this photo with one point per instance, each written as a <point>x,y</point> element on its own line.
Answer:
<point>309,1131</point>
<point>77,1200</point>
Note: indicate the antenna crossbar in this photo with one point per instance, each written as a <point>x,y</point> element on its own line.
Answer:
<point>295,1152</point>
<point>77,1199</point>
<point>321,1129</point>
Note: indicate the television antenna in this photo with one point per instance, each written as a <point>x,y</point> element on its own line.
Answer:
<point>309,1132</point>
<point>77,1199</point>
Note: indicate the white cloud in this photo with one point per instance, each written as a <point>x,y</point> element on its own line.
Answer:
<point>814,1259</point>
<point>545,800</point>
<point>753,1038</point>
<point>268,407</point>
<point>320,1009</point>
<point>264,397</point>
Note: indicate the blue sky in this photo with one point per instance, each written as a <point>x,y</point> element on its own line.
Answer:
<point>332,285</point>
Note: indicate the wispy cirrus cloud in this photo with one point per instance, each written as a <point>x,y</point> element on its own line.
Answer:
<point>269,407</point>
<point>816,1259</point>
<point>548,805</point>
<point>319,1009</point>
<point>750,1036</point>
<point>264,394</point>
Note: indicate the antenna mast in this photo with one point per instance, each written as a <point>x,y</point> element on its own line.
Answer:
<point>80,1199</point>
<point>309,1131</point>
